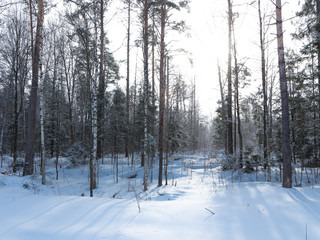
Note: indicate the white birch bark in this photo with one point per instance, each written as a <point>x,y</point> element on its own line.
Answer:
<point>94,99</point>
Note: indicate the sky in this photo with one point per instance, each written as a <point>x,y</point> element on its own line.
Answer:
<point>207,44</point>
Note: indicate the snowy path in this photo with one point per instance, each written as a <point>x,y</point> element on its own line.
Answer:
<point>246,211</point>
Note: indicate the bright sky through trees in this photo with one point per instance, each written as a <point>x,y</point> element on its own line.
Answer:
<point>207,44</point>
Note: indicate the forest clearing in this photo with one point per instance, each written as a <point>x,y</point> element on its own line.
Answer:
<point>200,201</point>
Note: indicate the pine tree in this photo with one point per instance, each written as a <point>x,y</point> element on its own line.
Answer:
<point>286,145</point>
<point>29,159</point>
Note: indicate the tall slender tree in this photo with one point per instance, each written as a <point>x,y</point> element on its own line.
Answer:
<point>162,88</point>
<point>128,77</point>
<point>286,145</point>
<point>229,76</point>
<point>264,86</point>
<point>93,158</point>
<point>101,88</point>
<point>29,159</point>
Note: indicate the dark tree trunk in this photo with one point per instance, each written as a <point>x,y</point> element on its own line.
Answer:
<point>69,93</point>
<point>15,124</point>
<point>239,162</point>
<point>318,75</point>
<point>101,84</point>
<point>264,88</point>
<point>128,80</point>
<point>162,89</point>
<point>168,118</point>
<point>146,89</point>
<point>286,148</point>
<point>29,159</point>
<point>223,110</point>
<point>229,96</point>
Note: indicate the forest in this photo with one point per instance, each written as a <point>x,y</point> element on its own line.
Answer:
<point>95,100</point>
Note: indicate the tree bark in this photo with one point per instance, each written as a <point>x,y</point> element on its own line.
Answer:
<point>146,89</point>
<point>101,89</point>
<point>128,80</point>
<point>29,159</point>
<point>318,75</point>
<point>286,148</point>
<point>16,118</point>
<point>264,89</point>
<point>43,158</point>
<point>229,96</point>
<point>167,120</point>
<point>239,162</point>
<point>93,162</point>
<point>162,89</point>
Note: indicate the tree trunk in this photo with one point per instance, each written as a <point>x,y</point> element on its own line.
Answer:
<point>128,80</point>
<point>93,183</point>
<point>146,89</point>
<point>223,110</point>
<point>29,159</point>
<point>31,29</point>
<point>134,116</point>
<point>69,93</point>
<point>101,88</point>
<point>286,149</point>
<point>229,96</point>
<point>16,122</point>
<point>162,89</point>
<point>239,162</point>
<point>57,135</point>
<point>264,90</point>
<point>43,159</point>
<point>318,74</point>
<point>270,124</point>
<point>168,119</point>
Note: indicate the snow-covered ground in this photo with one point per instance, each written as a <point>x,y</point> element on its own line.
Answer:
<point>199,202</point>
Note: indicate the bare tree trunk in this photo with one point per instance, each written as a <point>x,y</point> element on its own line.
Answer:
<point>223,110</point>
<point>270,125</point>
<point>239,161</point>
<point>318,75</point>
<point>162,89</point>
<point>153,59</point>
<point>69,93</point>
<point>286,148</point>
<point>57,135</point>
<point>134,115</point>
<point>264,90</point>
<point>43,159</point>
<point>29,159</point>
<point>146,88</point>
<point>128,79</point>
<point>93,183</point>
<point>101,88</point>
<point>31,29</point>
<point>2,129</point>
<point>1,140</point>
<point>229,96</point>
<point>16,118</point>
<point>167,119</point>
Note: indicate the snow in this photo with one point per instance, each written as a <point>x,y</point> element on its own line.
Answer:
<point>198,203</point>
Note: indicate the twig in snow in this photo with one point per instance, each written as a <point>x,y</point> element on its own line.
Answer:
<point>137,196</point>
<point>209,211</point>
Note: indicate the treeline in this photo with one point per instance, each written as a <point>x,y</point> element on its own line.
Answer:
<point>276,125</point>
<point>60,94</point>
